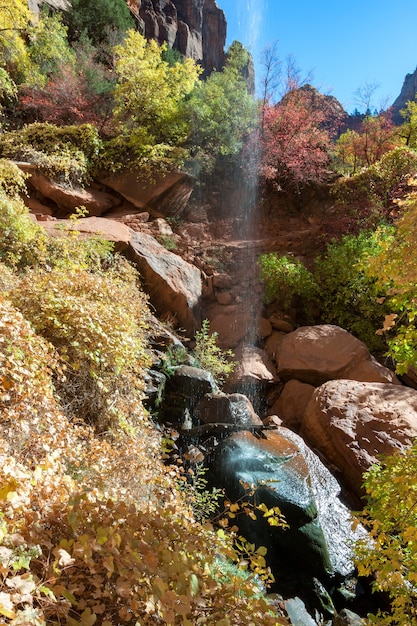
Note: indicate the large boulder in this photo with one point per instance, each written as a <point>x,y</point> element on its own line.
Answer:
<point>67,199</point>
<point>288,475</point>
<point>163,196</point>
<point>352,423</point>
<point>111,230</point>
<point>292,403</point>
<point>174,286</point>
<point>316,354</point>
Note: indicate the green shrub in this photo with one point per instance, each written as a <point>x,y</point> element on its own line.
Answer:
<point>380,184</point>
<point>348,295</point>
<point>12,179</point>
<point>22,241</point>
<point>68,154</point>
<point>285,279</point>
<point>338,290</point>
<point>97,324</point>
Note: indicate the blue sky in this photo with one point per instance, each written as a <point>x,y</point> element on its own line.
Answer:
<point>345,45</point>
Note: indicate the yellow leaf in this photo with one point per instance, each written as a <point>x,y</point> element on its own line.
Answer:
<point>88,618</point>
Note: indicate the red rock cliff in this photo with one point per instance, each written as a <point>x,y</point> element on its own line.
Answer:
<point>196,28</point>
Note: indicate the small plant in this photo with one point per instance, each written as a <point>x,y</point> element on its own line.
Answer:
<point>192,485</point>
<point>168,241</point>
<point>209,356</point>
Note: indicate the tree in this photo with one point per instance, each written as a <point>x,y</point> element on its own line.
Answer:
<point>395,271</point>
<point>408,130</point>
<point>77,92</point>
<point>222,111</point>
<point>15,18</point>
<point>150,101</point>
<point>296,144</point>
<point>98,20</point>
<point>356,149</point>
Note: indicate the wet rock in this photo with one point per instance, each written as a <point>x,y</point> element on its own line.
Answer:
<point>352,423</point>
<point>298,613</point>
<point>183,390</point>
<point>289,475</point>
<point>315,354</point>
<point>253,375</point>
<point>223,408</point>
<point>348,618</point>
<point>173,285</point>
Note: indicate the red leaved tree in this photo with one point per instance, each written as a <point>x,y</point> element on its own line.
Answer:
<point>361,148</point>
<point>296,140</point>
<point>67,98</point>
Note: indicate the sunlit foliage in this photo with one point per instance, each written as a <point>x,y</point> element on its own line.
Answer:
<point>150,99</point>
<point>394,269</point>
<point>389,554</point>
<point>223,112</point>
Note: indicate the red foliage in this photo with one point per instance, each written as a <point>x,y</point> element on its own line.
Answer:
<point>66,99</point>
<point>296,141</point>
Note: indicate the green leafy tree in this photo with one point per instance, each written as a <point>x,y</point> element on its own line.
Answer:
<point>389,554</point>
<point>101,20</point>
<point>150,98</point>
<point>222,110</point>
<point>356,149</point>
<point>48,46</point>
<point>408,130</point>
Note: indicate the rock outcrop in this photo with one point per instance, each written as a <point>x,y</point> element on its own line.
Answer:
<point>408,92</point>
<point>174,286</point>
<point>196,28</point>
<point>316,354</point>
<point>352,423</point>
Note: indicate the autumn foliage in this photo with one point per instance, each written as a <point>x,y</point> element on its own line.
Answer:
<point>296,141</point>
<point>93,528</point>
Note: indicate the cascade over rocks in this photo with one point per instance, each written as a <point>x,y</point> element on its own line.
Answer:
<point>222,408</point>
<point>289,476</point>
<point>351,423</point>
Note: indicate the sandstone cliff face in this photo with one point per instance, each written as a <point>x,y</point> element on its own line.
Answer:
<point>196,28</point>
<point>408,92</point>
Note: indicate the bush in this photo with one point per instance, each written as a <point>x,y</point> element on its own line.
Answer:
<point>286,279</point>
<point>389,554</point>
<point>68,154</point>
<point>22,241</point>
<point>348,296</point>
<point>97,325</point>
<point>369,197</point>
<point>209,356</point>
<point>338,290</point>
